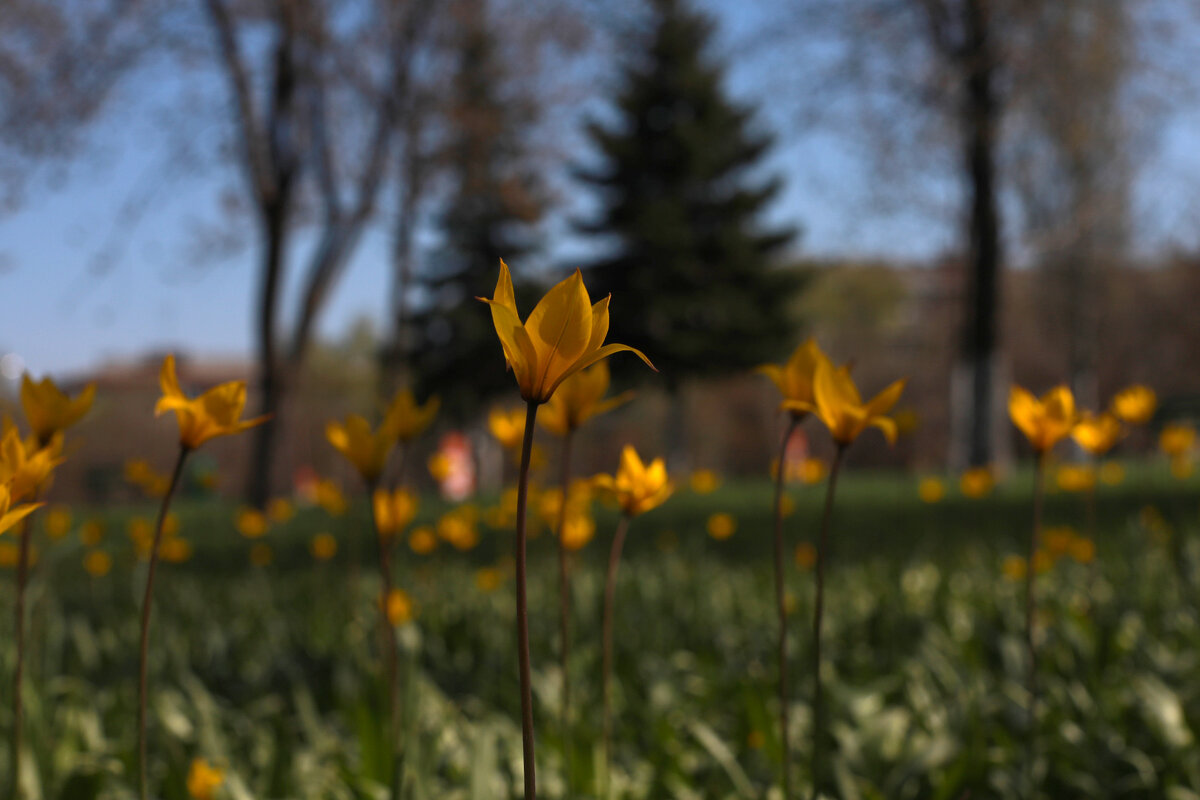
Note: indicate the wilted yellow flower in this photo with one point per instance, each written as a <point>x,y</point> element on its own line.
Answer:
<point>838,404</point>
<point>1013,568</point>
<point>407,420</point>
<point>175,551</point>
<point>1083,550</point>
<point>217,412</point>
<point>261,555</point>
<point>488,579</point>
<point>704,481</point>
<point>48,410</point>
<point>58,522</point>
<point>578,399</point>
<point>10,515</point>
<point>564,334</point>
<point>458,528</point>
<point>1177,440</point>
<point>1096,433</point>
<point>329,497</point>
<point>1111,473</point>
<point>794,379</point>
<point>400,608</point>
<point>367,450</point>
<point>1075,477</point>
<point>97,563</point>
<point>578,530</point>
<point>721,526</point>
<point>203,780</point>
<point>26,466</point>
<point>806,556</point>
<point>812,470</point>
<point>393,510</point>
<point>323,546</point>
<point>422,540</point>
<point>439,466</point>
<point>1044,422</point>
<point>280,509</point>
<point>251,523</point>
<point>931,489</point>
<point>637,487</point>
<point>507,426</point>
<point>91,532</point>
<point>977,482</point>
<point>1057,540</point>
<point>1135,404</point>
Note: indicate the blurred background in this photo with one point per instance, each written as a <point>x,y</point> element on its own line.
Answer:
<point>309,194</point>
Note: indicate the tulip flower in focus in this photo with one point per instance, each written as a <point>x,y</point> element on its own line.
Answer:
<point>839,405</point>
<point>637,487</point>
<point>217,412</point>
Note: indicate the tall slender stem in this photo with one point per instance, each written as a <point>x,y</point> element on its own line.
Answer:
<point>19,672</point>
<point>610,587</point>
<point>144,646</point>
<point>1030,614</point>
<point>388,641</point>
<point>527,742</point>
<point>818,616</point>
<point>564,602</point>
<point>781,603</point>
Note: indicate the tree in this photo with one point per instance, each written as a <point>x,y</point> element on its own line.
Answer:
<point>494,203</point>
<point>690,258</point>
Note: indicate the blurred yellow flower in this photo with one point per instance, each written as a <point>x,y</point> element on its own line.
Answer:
<point>549,501</point>
<point>578,399</point>
<point>1096,433</point>
<point>1083,550</point>
<point>1044,422</point>
<point>794,379</point>
<point>1043,562</point>
<point>261,555</point>
<point>280,509</point>
<point>48,410</point>
<point>1075,477</point>
<point>1135,404</point>
<point>1182,467</point>
<point>812,471</point>
<point>507,426</point>
<point>367,450</point>
<point>203,780</point>
<point>141,533</point>
<point>407,420</point>
<point>97,563</point>
<point>721,526</point>
<point>1013,568</point>
<point>422,540</point>
<point>58,521</point>
<point>457,527</point>
<point>251,523</point>
<point>564,334</point>
<point>170,524</point>
<point>637,488</point>
<point>400,608</point>
<point>1111,473</point>
<point>440,466</point>
<point>931,489</point>
<point>138,472</point>
<point>175,551</point>
<point>787,506</point>
<point>26,466</point>
<point>10,515</point>
<point>704,481</point>
<point>323,546</point>
<point>10,554</point>
<point>977,482</point>
<point>806,556</point>
<point>217,412</point>
<point>578,530</point>
<point>91,532</point>
<point>907,421</point>
<point>329,497</point>
<point>393,511</point>
<point>1057,540</point>
<point>1177,440</point>
<point>488,579</point>
<point>839,405</point>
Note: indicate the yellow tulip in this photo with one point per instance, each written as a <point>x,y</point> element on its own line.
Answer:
<point>58,522</point>
<point>977,482</point>
<point>458,528</point>
<point>507,426</point>
<point>488,579</point>
<point>367,450</point>
<point>1083,550</point>
<point>704,481</point>
<point>636,487</point>
<point>203,780</point>
<point>721,526</point>
<point>175,551</point>
<point>578,530</point>
<point>1044,422</point>
<point>422,540</point>
<point>217,412</point>
<point>48,410</point>
<point>795,377</point>
<point>25,465</point>
<point>806,556</point>
<point>1111,473</point>
<point>563,335</point>
<point>1014,568</point>
<point>400,608</point>
<point>97,563</point>
<point>251,523</point>
<point>931,489</point>
<point>838,404</point>
<point>1075,477</point>
<point>91,533</point>
<point>280,509</point>
<point>812,470</point>
<point>578,399</point>
<point>405,419</point>
<point>1135,404</point>
<point>323,546</point>
<point>10,515</point>
<point>393,511</point>
<point>1177,440</point>
<point>1096,433</point>
<point>328,495</point>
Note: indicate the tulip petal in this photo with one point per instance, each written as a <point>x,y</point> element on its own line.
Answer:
<point>604,352</point>
<point>887,425</point>
<point>560,328</point>
<point>882,403</point>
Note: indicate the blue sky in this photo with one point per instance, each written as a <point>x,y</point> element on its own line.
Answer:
<point>63,316</point>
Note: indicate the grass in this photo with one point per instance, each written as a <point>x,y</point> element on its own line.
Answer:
<point>272,671</point>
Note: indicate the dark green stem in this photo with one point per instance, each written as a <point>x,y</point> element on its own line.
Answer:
<point>781,604</point>
<point>818,617</point>
<point>527,741</point>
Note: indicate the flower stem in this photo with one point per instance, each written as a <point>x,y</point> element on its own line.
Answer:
<point>781,603</point>
<point>19,672</point>
<point>818,616</point>
<point>144,646</point>
<point>610,587</point>
<point>564,601</point>
<point>388,632</point>
<point>527,741</point>
<point>1030,613</point>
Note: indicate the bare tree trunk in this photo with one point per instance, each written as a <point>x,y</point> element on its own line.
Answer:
<point>270,379</point>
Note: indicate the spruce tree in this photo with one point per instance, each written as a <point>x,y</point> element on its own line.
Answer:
<point>493,205</point>
<point>688,255</point>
